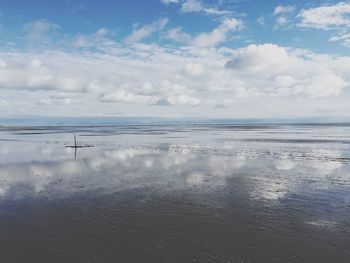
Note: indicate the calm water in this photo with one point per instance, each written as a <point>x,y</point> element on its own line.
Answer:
<point>175,194</point>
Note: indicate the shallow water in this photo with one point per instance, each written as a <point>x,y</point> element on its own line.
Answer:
<point>215,193</point>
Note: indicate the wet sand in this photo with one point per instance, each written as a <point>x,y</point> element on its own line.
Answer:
<point>176,194</point>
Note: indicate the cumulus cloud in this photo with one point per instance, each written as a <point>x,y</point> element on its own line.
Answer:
<point>142,32</point>
<point>288,72</point>
<point>207,39</point>
<point>128,97</point>
<point>106,78</point>
<point>180,100</point>
<point>55,100</point>
<point>29,73</point>
<point>141,78</point>
<point>194,69</point>
<point>326,17</point>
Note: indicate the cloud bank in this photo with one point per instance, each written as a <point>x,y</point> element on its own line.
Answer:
<point>154,76</point>
<point>159,69</point>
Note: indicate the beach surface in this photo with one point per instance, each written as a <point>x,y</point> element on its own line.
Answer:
<point>191,193</point>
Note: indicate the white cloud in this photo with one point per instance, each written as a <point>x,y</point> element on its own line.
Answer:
<point>282,16</point>
<point>128,97</point>
<point>55,100</point>
<point>326,17</point>
<point>261,20</point>
<point>219,34</point>
<point>197,6</point>
<point>194,69</point>
<point>183,100</point>
<point>169,1</point>
<point>281,71</point>
<point>191,6</point>
<point>98,37</point>
<point>281,21</point>
<point>207,39</point>
<point>29,73</point>
<point>189,80</point>
<point>3,64</point>
<point>3,103</point>
<point>283,9</point>
<point>142,32</point>
<point>44,102</point>
<point>40,31</point>
<point>343,38</point>
<point>178,35</point>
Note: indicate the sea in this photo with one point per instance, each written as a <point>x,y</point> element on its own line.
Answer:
<point>175,193</point>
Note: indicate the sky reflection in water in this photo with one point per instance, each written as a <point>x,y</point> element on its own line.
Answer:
<point>196,158</point>
<point>292,171</point>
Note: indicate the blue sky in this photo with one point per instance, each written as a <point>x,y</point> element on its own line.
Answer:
<point>175,58</point>
<point>84,17</point>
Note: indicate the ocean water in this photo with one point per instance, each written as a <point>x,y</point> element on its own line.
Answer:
<point>192,193</point>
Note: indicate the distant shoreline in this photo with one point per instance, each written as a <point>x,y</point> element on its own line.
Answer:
<point>61,121</point>
<point>238,125</point>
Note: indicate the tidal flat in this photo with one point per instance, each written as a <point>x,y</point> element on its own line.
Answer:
<point>177,193</point>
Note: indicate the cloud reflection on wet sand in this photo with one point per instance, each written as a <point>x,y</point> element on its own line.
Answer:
<point>302,185</point>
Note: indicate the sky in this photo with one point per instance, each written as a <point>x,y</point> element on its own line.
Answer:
<point>175,58</point>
